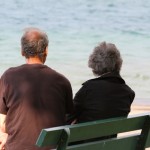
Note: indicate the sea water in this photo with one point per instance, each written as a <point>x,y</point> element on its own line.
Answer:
<point>74,28</point>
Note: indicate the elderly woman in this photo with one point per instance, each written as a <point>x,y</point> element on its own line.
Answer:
<point>107,95</point>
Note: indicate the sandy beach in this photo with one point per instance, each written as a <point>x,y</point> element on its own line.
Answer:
<point>138,109</point>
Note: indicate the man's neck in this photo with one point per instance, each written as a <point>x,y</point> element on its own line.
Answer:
<point>33,60</point>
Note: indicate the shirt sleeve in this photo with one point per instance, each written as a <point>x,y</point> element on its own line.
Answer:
<point>3,106</point>
<point>78,105</point>
<point>79,100</point>
<point>69,100</point>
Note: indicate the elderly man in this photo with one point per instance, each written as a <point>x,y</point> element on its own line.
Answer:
<point>32,96</point>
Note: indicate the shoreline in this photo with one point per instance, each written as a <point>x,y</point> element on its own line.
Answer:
<point>138,109</point>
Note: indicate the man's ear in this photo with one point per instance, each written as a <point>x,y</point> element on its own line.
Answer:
<point>46,50</point>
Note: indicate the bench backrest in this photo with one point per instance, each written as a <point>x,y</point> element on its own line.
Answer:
<point>61,136</point>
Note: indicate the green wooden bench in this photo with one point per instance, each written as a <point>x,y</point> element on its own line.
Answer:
<point>61,136</point>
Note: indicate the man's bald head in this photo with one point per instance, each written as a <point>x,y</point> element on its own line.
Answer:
<point>34,43</point>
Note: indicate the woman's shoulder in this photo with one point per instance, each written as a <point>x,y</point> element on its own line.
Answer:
<point>90,81</point>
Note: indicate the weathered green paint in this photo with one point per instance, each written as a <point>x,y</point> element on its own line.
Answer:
<point>78,132</point>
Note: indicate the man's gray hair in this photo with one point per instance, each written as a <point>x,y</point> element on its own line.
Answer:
<point>34,42</point>
<point>105,58</point>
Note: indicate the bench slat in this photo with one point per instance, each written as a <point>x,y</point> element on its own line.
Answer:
<point>94,129</point>
<point>106,128</point>
<point>83,131</point>
<point>50,137</point>
<point>128,143</point>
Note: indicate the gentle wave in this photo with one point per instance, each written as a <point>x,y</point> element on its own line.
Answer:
<point>74,28</point>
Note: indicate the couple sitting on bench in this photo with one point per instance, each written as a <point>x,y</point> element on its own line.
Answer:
<point>33,96</point>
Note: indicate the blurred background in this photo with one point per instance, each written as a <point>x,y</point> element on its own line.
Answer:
<point>74,28</point>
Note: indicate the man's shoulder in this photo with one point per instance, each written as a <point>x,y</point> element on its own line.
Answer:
<point>9,72</point>
<point>62,76</point>
<point>56,74</point>
<point>11,69</point>
<point>16,68</point>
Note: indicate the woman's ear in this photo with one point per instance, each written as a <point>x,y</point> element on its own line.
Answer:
<point>22,52</point>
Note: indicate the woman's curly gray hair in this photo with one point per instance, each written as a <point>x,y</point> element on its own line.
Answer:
<point>105,58</point>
